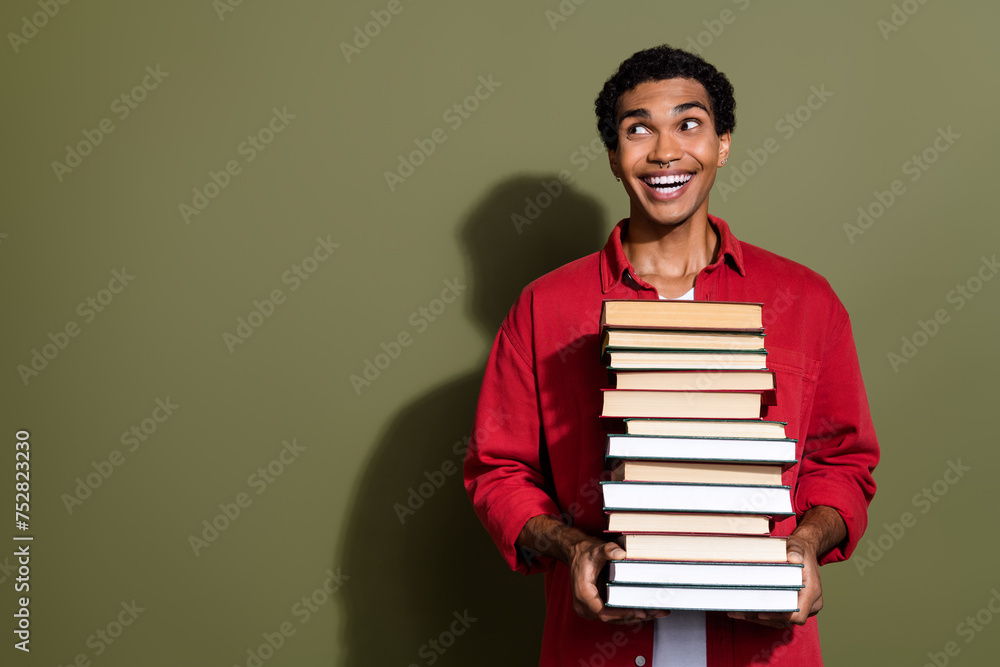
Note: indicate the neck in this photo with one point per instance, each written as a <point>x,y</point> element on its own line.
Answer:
<point>670,250</point>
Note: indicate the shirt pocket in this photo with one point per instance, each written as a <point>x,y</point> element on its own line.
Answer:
<point>795,386</point>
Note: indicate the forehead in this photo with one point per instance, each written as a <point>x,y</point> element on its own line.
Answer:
<point>663,95</point>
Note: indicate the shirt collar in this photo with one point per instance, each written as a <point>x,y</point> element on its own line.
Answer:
<point>614,263</point>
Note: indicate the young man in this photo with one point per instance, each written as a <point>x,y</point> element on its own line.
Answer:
<point>666,118</point>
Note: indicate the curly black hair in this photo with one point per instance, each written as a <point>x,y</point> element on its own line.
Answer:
<point>655,64</point>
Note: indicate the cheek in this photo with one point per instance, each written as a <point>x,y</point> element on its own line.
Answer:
<point>702,148</point>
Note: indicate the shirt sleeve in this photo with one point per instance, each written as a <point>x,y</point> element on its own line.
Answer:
<point>841,449</point>
<point>503,469</point>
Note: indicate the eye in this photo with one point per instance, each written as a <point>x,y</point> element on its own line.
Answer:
<point>690,124</point>
<point>637,129</point>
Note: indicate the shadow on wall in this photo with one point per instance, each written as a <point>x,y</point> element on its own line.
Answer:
<point>427,585</point>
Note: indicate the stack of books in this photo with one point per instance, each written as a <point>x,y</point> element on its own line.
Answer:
<point>695,479</point>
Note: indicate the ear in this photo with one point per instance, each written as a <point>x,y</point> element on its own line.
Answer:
<point>725,141</point>
<point>613,162</point>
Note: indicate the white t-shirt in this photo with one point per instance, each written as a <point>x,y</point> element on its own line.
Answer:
<point>679,639</point>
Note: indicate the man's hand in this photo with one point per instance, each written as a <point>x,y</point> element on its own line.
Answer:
<point>588,557</point>
<point>820,529</point>
<point>585,556</point>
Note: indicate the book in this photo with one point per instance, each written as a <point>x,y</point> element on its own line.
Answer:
<point>666,339</point>
<point>736,548</point>
<point>663,314</point>
<point>695,481</point>
<point>700,498</point>
<point>716,428</point>
<point>690,404</point>
<point>687,573</point>
<point>690,448</point>
<point>703,379</point>
<point>701,598</point>
<point>680,522</point>
<point>686,359</point>
<point>699,472</point>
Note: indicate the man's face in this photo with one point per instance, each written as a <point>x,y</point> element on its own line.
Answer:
<point>661,121</point>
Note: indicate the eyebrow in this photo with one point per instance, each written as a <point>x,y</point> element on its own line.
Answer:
<point>679,109</point>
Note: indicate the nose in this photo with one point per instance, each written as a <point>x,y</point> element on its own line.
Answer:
<point>666,149</point>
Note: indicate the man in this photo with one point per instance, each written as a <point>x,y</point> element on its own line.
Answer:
<point>666,118</point>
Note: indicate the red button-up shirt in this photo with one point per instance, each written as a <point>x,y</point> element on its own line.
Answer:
<point>538,444</point>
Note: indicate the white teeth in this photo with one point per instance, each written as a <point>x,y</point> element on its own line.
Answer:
<point>673,179</point>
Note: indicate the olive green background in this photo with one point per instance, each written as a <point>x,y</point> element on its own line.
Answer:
<point>332,507</point>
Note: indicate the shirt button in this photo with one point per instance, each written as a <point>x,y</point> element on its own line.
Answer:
<point>640,661</point>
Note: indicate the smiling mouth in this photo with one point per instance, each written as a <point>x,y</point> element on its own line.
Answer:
<point>667,184</point>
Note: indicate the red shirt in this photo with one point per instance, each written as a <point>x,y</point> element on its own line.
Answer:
<point>538,444</point>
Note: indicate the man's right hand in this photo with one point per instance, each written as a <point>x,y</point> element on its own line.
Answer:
<point>585,556</point>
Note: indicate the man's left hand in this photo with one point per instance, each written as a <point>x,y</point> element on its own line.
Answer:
<point>810,596</point>
<point>820,529</point>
